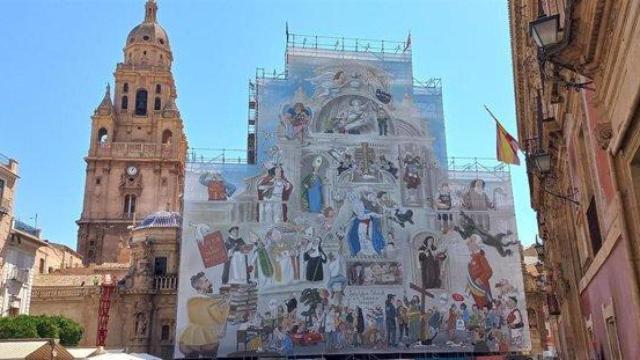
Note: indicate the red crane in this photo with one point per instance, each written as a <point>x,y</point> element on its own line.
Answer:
<point>106,289</point>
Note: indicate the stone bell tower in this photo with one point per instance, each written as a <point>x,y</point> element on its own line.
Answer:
<point>135,164</point>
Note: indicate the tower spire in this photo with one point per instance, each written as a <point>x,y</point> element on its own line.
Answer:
<point>150,10</point>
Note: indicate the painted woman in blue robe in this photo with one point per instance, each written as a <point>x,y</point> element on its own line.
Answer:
<point>312,185</point>
<point>365,235</point>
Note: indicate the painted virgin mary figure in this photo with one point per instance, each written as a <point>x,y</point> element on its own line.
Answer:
<point>365,236</point>
<point>312,185</point>
<point>273,193</point>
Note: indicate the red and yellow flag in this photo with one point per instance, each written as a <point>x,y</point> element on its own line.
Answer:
<point>506,145</point>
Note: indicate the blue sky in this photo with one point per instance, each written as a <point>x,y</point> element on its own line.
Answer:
<point>57,57</point>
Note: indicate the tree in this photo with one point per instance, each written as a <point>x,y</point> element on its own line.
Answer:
<point>41,326</point>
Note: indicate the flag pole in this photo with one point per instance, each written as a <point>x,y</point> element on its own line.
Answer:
<point>499,124</point>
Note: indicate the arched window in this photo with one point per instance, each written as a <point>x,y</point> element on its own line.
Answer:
<point>158,88</point>
<point>129,205</point>
<point>157,104</point>
<point>103,136</point>
<point>125,87</point>
<point>167,136</point>
<point>141,102</point>
<point>124,104</point>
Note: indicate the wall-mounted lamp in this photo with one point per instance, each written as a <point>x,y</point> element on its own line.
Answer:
<point>542,162</point>
<point>539,249</point>
<point>545,32</point>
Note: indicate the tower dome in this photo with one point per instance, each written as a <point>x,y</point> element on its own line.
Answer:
<point>146,38</point>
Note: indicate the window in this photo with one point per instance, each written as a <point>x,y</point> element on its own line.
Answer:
<point>158,88</point>
<point>124,104</point>
<point>594,226</point>
<point>41,266</point>
<point>165,332</point>
<point>98,181</point>
<point>129,204</point>
<point>157,104</point>
<point>167,135</point>
<point>612,332</point>
<point>1,189</point>
<point>160,266</point>
<point>125,87</point>
<point>141,102</point>
<point>161,41</point>
<point>103,135</point>
<point>533,318</point>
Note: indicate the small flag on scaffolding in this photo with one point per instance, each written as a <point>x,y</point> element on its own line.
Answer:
<point>407,46</point>
<point>506,145</point>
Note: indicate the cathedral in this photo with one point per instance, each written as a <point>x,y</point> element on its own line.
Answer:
<point>129,229</point>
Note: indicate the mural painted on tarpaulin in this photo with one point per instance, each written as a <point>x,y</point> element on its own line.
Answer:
<point>343,238</point>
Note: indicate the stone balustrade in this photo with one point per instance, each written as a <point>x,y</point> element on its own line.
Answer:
<point>44,293</point>
<point>165,282</point>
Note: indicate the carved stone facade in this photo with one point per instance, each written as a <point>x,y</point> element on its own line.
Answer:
<point>135,164</point>
<point>142,313</point>
<point>588,204</point>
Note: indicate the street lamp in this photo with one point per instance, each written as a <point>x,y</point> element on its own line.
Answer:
<point>542,162</point>
<point>539,249</point>
<point>544,30</point>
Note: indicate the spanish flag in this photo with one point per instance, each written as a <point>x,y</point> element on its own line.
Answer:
<point>506,145</point>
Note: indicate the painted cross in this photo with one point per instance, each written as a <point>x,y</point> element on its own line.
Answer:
<point>365,155</point>
<point>423,293</point>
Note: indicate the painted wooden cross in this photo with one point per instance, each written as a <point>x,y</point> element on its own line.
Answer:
<point>423,307</point>
<point>366,155</point>
<point>423,294</point>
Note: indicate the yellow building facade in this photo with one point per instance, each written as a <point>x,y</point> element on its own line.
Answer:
<point>577,85</point>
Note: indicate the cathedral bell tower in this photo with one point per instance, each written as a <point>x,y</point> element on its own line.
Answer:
<point>135,164</point>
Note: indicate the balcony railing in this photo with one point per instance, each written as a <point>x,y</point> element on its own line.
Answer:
<point>136,150</point>
<point>4,160</point>
<point>165,282</point>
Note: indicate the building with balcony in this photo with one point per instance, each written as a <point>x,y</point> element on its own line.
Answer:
<point>142,313</point>
<point>19,267</point>
<point>577,90</point>
<point>137,149</point>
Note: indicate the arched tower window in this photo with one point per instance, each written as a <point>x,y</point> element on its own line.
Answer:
<point>141,102</point>
<point>103,135</point>
<point>129,205</point>
<point>167,136</point>
<point>125,87</point>
<point>158,88</point>
<point>157,104</point>
<point>124,104</point>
